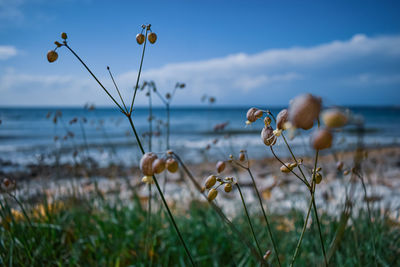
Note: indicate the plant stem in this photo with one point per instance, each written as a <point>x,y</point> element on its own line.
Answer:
<point>248,218</point>
<point>265,216</point>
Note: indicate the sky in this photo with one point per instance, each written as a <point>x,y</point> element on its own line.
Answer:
<point>241,52</point>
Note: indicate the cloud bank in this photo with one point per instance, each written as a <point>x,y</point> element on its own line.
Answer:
<point>7,51</point>
<point>361,70</point>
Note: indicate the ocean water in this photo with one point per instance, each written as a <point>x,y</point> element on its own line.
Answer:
<point>30,136</point>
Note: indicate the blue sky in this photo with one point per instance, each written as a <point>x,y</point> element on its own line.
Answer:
<point>242,52</point>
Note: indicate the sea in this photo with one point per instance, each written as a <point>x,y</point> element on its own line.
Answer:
<point>198,134</point>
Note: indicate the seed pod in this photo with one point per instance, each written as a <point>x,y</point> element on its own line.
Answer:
<point>148,179</point>
<point>211,180</point>
<point>318,177</point>
<point>7,185</point>
<point>158,166</point>
<point>242,156</point>
<point>220,166</point>
<point>268,137</point>
<point>251,117</point>
<point>228,187</point>
<point>52,56</point>
<point>346,172</point>
<point>286,169</point>
<point>292,165</point>
<point>281,119</point>
<point>64,35</point>
<point>334,118</point>
<point>57,44</point>
<point>258,114</point>
<point>212,194</point>
<point>146,163</point>
<point>172,165</point>
<point>140,38</point>
<point>321,139</point>
<point>203,188</point>
<point>304,110</point>
<point>339,165</point>
<point>152,37</point>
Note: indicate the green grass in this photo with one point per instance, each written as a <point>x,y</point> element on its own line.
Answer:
<point>92,232</point>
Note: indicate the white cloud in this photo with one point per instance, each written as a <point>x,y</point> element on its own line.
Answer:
<point>7,51</point>
<point>354,71</point>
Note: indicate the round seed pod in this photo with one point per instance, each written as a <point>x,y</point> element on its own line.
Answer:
<point>321,139</point>
<point>258,114</point>
<point>286,169</point>
<point>251,116</point>
<point>228,187</point>
<point>52,56</point>
<point>152,37</point>
<point>281,119</point>
<point>158,166</point>
<point>318,177</point>
<point>146,163</point>
<point>172,165</point>
<point>334,118</point>
<point>242,156</point>
<point>212,194</point>
<point>211,180</point>
<point>57,44</point>
<point>304,110</point>
<point>220,166</point>
<point>7,185</point>
<point>292,165</point>
<point>268,137</point>
<point>64,36</point>
<point>140,38</point>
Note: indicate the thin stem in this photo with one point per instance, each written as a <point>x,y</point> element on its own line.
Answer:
<point>97,80</point>
<point>168,125</point>
<point>265,216</point>
<point>248,218</point>
<point>22,208</point>
<point>140,70</point>
<point>294,157</point>
<point>116,87</point>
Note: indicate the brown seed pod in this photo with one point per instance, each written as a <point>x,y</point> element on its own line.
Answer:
<point>292,165</point>
<point>242,156</point>
<point>64,36</point>
<point>281,119</point>
<point>339,165</point>
<point>140,38</point>
<point>268,137</point>
<point>57,44</point>
<point>146,163</point>
<point>172,165</point>
<point>7,184</point>
<point>334,118</point>
<point>211,180</point>
<point>286,169</point>
<point>158,166</point>
<point>212,194</point>
<point>52,56</point>
<point>321,139</point>
<point>228,187</point>
<point>251,116</point>
<point>318,177</point>
<point>258,113</point>
<point>304,110</point>
<point>220,166</point>
<point>152,37</point>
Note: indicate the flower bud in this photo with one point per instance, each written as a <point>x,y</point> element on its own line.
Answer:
<point>268,137</point>
<point>228,187</point>
<point>304,110</point>
<point>212,194</point>
<point>292,165</point>
<point>148,179</point>
<point>64,35</point>
<point>318,177</point>
<point>339,165</point>
<point>220,166</point>
<point>242,156</point>
<point>287,168</point>
<point>172,165</point>
<point>158,166</point>
<point>334,118</point>
<point>146,163</point>
<point>251,116</point>
<point>281,119</point>
<point>7,185</point>
<point>321,139</point>
<point>52,56</point>
<point>57,44</point>
<point>203,188</point>
<point>211,180</point>
<point>140,38</point>
<point>152,37</point>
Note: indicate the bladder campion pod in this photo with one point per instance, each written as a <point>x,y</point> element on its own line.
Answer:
<point>286,169</point>
<point>281,119</point>
<point>268,137</point>
<point>220,166</point>
<point>318,178</point>
<point>258,114</point>
<point>172,165</point>
<point>334,118</point>
<point>304,110</point>
<point>146,163</point>
<point>211,180</point>
<point>212,194</point>
<point>64,36</point>
<point>140,38</point>
<point>158,166</point>
<point>152,37</point>
<point>321,139</point>
<point>228,187</point>
<point>242,156</point>
<point>251,116</point>
<point>52,56</point>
